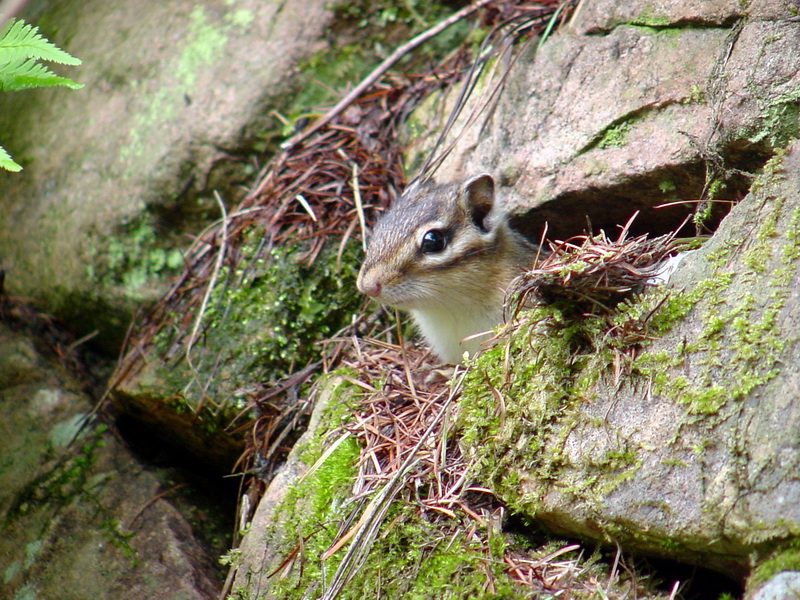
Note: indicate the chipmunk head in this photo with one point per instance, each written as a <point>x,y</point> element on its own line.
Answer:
<point>446,254</point>
<point>429,241</point>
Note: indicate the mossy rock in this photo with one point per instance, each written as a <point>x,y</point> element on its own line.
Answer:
<point>681,448</point>
<point>306,510</point>
<point>263,320</point>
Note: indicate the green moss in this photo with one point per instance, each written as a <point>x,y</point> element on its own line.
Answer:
<point>667,186</point>
<point>374,25</point>
<point>752,344</point>
<point>555,370</point>
<point>674,462</point>
<point>779,122</point>
<point>749,356</point>
<point>59,485</point>
<point>119,537</point>
<point>791,251</point>
<point>696,96</point>
<point>614,136</point>
<point>202,44</point>
<point>201,47</point>
<point>132,257</point>
<point>324,71</point>
<point>552,366</point>
<point>410,563</point>
<point>413,557</point>
<point>649,18</point>
<point>262,321</point>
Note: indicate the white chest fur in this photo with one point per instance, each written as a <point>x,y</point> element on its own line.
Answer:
<point>445,328</point>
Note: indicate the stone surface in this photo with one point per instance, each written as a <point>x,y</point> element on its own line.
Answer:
<point>628,108</point>
<point>173,92</point>
<point>260,550</point>
<point>686,448</point>
<point>617,114</point>
<point>82,518</point>
<point>690,458</point>
<point>784,586</point>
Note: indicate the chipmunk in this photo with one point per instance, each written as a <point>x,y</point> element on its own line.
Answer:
<point>446,254</point>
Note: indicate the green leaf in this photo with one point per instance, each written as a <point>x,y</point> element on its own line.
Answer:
<point>7,163</point>
<point>19,41</point>
<point>25,74</point>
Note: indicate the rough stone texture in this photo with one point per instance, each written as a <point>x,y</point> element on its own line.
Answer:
<point>614,116</point>
<point>713,454</point>
<point>172,91</point>
<point>630,107</point>
<point>599,17</point>
<point>624,112</point>
<point>83,520</point>
<point>784,586</point>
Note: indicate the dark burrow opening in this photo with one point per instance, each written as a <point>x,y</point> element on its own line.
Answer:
<point>659,575</point>
<point>664,200</point>
<point>696,583</point>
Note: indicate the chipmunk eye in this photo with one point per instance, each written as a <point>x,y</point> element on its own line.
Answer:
<point>433,241</point>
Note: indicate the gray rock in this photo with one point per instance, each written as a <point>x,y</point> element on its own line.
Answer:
<point>687,447</point>
<point>82,518</point>
<point>624,109</point>
<point>173,91</point>
<point>783,586</point>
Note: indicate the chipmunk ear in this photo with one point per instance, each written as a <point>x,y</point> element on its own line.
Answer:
<point>477,200</point>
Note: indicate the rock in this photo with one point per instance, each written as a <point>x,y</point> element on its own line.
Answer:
<point>115,174</point>
<point>682,449</point>
<point>308,507</point>
<point>783,586</point>
<point>82,518</point>
<point>628,107</point>
<point>259,554</point>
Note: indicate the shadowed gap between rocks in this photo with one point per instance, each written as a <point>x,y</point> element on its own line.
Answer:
<point>697,583</point>
<point>724,22</point>
<point>661,210</point>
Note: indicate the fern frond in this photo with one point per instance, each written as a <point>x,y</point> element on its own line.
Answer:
<point>18,40</point>
<point>24,74</point>
<point>7,163</point>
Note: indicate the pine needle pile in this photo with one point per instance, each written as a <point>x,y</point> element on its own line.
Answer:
<point>590,274</point>
<point>406,425</point>
<point>393,422</point>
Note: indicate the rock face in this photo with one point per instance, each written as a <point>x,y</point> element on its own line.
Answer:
<point>173,91</point>
<point>688,449</point>
<point>82,519</point>
<point>630,107</point>
<point>692,456</point>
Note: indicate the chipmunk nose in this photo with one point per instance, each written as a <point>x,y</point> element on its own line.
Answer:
<point>371,289</point>
<point>369,286</point>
